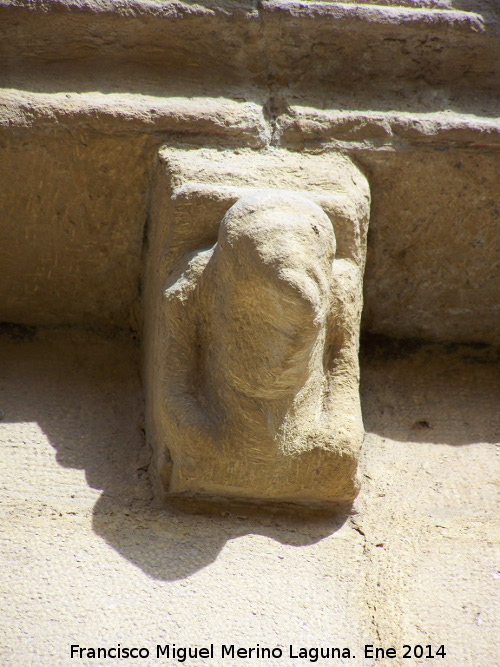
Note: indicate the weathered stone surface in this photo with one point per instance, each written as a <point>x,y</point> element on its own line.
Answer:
<point>409,90</point>
<point>224,119</point>
<point>444,249</point>
<point>433,259</point>
<point>251,353</point>
<point>254,326</point>
<point>75,172</point>
<point>303,44</point>
<point>85,557</point>
<point>71,237</point>
<point>386,130</point>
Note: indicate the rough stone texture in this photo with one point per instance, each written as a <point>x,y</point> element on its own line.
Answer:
<point>75,195</point>
<point>376,130</point>
<point>85,557</point>
<point>92,89</point>
<point>433,260</point>
<point>251,343</point>
<point>254,335</point>
<point>71,240</point>
<point>303,44</point>
<point>77,173</point>
<point>445,255</point>
<point>409,90</point>
<point>222,119</point>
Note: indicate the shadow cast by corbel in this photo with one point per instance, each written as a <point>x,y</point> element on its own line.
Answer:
<point>253,307</point>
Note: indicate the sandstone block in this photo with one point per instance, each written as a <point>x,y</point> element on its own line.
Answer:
<point>252,336</point>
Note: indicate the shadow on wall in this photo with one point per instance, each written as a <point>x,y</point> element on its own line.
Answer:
<point>85,393</point>
<point>168,544</point>
<point>413,391</point>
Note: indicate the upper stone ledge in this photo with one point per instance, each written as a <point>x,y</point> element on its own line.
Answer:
<point>361,9</point>
<point>379,13</point>
<point>244,122</point>
<point>464,5</point>
<point>222,118</point>
<point>130,7</point>
<point>386,11</point>
<point>275,42</point>
<point>390,130</point>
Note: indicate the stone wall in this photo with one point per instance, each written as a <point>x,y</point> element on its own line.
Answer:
<point>91,90</point>
<point>97,99</point>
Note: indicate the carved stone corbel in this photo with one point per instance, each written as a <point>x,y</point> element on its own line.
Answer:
<point>253,306</point>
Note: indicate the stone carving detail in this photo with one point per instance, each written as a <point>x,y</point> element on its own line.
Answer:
<point>259,348</point>
<point>256,359</point>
